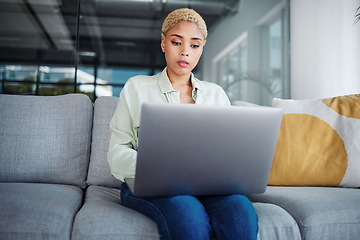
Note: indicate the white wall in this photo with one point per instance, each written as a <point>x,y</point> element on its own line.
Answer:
<point>325,48</point>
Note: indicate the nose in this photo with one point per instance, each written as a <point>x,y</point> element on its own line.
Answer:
<point>184,52</point>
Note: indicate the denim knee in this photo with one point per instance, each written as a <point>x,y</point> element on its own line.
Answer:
<point>232,217</point>
<point>187,218</point>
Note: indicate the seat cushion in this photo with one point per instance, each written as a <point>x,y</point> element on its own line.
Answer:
<point>321,212</point>
<point>99,170</point>
<point>38,211</point>
<point>45,139</point>
<point>275,223</point>
<point>102,205</point>
<point>102,217</point>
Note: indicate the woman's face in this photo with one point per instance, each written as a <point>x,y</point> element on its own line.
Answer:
<point>183,46</point>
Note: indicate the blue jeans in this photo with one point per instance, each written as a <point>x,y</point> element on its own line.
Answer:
<point>199,218</point>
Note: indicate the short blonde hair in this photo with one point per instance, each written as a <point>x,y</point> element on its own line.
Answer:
<point>183,14</point>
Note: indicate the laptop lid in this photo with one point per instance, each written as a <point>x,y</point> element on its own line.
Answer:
<point>205,150</point>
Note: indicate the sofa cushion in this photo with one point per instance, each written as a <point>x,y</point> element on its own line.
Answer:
<point>321,212</point>
<point>102,217</point>
<point>102,205</point>
<point>99,170</point>
<point>275,223</point>
<point>38,211</point>
<point>319,143</point>
<point>45,139</point>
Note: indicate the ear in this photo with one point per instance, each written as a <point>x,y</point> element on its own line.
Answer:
<point>162,45</point>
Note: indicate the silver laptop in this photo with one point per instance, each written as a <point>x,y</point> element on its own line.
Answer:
<point>204,150</point>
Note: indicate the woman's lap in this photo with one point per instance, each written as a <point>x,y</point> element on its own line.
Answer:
<point>231,216</point>
<point>187,217</point>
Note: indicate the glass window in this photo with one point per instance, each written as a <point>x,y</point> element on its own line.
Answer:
<point>275,57</point>
<point>116,78</point>
<point>231,67</point>
<point>18,79</point>
<point>56,80</point>
<point>255,66</point>
<point>273,79</point>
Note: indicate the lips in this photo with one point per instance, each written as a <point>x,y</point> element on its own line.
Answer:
<point>183,63</point>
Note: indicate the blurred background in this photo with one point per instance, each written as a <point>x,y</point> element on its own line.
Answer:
<point>52,47</point>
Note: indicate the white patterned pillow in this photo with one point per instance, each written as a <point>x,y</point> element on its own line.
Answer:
<point>319,143</point>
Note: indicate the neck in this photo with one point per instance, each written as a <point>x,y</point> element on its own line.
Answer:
<point>179,80</point>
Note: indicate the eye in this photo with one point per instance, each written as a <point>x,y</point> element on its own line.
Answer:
<point>176,43</point>
<point>194,46</point>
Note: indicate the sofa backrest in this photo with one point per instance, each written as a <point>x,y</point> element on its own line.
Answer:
<point>99,170</point>
<point>45,139</point>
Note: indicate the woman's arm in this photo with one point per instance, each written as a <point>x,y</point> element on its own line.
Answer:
<point>123,143</point>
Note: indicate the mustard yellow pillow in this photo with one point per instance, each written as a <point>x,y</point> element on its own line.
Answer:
<point>319,143</point>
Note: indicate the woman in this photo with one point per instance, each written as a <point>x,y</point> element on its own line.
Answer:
<point>180,217</point>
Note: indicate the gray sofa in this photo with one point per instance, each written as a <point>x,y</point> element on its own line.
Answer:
<point>55,181</point>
